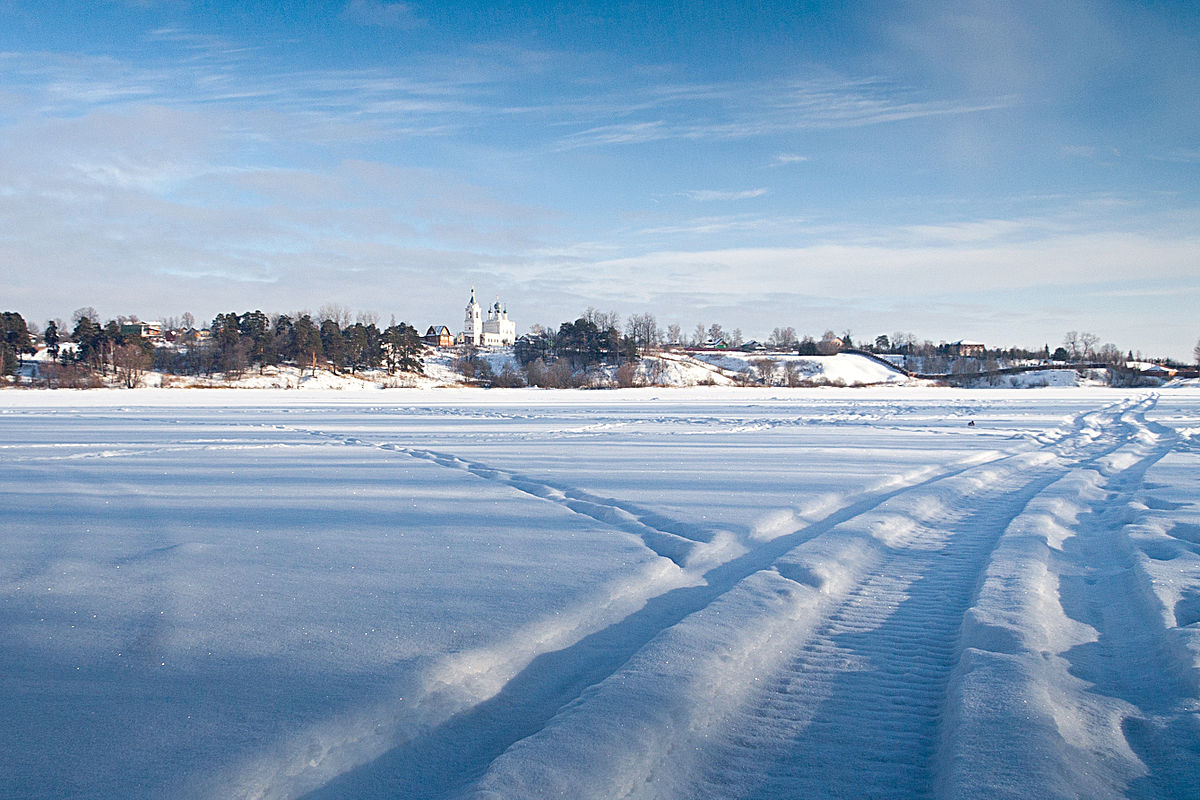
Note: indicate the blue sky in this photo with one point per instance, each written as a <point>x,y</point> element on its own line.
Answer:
<point>996,171</point>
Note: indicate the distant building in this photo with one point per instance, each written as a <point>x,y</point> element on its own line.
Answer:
<point>496,330</point>
<point>963,347</point>
<point>438,336</point>
<point>830,344</point>
<point>147,330</point>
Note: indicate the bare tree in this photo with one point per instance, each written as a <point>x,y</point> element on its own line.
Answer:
<point>334,312</point>
<point>1110,354</point>
<point>700,334</point>
<point>86,311</point>
<point>1071,345</point>
<point>674,334</point>
<point>1196,352</point>
<point>602,320</point>
<point>904,342</point>
<point>643,329</point>
<point>791,373</point>
<point>783,338</point>
<point>1087,344</point>
<point>765,367</point>
<point>130,362</point>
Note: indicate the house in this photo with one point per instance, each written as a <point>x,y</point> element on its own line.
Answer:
<point>830,344</point>
<point>754,346</point>
<point>438,336</point>
<point>1158,371</point>
<point>151,331</point>
<point>496,330</point>
<point>964,347</point>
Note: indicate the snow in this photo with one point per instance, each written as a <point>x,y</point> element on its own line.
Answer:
<point>840,369</point>
<point>708,592</point>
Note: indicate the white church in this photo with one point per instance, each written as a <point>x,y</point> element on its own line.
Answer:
<point>496,330</point>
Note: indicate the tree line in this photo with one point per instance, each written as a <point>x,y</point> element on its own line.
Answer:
<point>232,344</point>
<point>572,354</point>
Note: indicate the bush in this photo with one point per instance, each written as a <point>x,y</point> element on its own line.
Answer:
<point>627,376</point>
<point>508,379</point>
<point>70,376</point>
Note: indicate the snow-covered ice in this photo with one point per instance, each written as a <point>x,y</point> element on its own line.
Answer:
<point>666,593</point>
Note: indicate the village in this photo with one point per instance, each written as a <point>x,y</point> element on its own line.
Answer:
<point>594,351</point>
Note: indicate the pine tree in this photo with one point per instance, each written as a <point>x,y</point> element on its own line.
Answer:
<point>14,341</point>
<point>51,338</point>
<point>403,346</point>
<point>307,346</point>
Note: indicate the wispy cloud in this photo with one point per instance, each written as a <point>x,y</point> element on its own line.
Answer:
<point>852,270</point>
<point>384,15</point>
<point>711,195</point>
<point>755,225</point>
<point>745,110</point>
<point>1181,155</point>
<point>784,159</point>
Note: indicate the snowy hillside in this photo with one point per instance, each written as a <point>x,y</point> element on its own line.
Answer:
<point>667,368</point>
<point>660,593</point>
<point>841,369</point>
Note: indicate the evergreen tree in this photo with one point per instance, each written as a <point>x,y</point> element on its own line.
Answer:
<point>255,330</point>
<point>307,343</point>
<point>88,338</point>
<point>51,338</point>
<point>403,346</point>
<point>283,339</point>
<point>227,338</point>
<point>14,341</point>
<point>333,343</point>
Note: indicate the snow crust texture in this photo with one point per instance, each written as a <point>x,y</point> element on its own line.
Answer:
<point>656,595</point>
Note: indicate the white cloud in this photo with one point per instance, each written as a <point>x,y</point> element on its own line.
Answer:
<point>1181,155</point>
<point>759,109</point>
<point>853,269</point>
<point>711,195</point>
<point>384,15</point>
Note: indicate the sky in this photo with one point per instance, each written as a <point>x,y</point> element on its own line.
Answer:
<point>1002,172</point>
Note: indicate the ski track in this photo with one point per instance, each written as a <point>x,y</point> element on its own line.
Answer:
<point>871,682</point>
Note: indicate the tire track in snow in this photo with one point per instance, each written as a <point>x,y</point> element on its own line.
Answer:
<point>1062,641</point>
<point>857,711</point>
<point>1134,658</point>
<point>455,753</point>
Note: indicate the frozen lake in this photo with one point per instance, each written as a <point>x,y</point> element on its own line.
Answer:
<point>645,594</point>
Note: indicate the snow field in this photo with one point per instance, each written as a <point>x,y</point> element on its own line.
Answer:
<point>692,594</point>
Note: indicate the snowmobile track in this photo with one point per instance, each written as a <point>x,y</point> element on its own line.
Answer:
<point>895,634</point>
